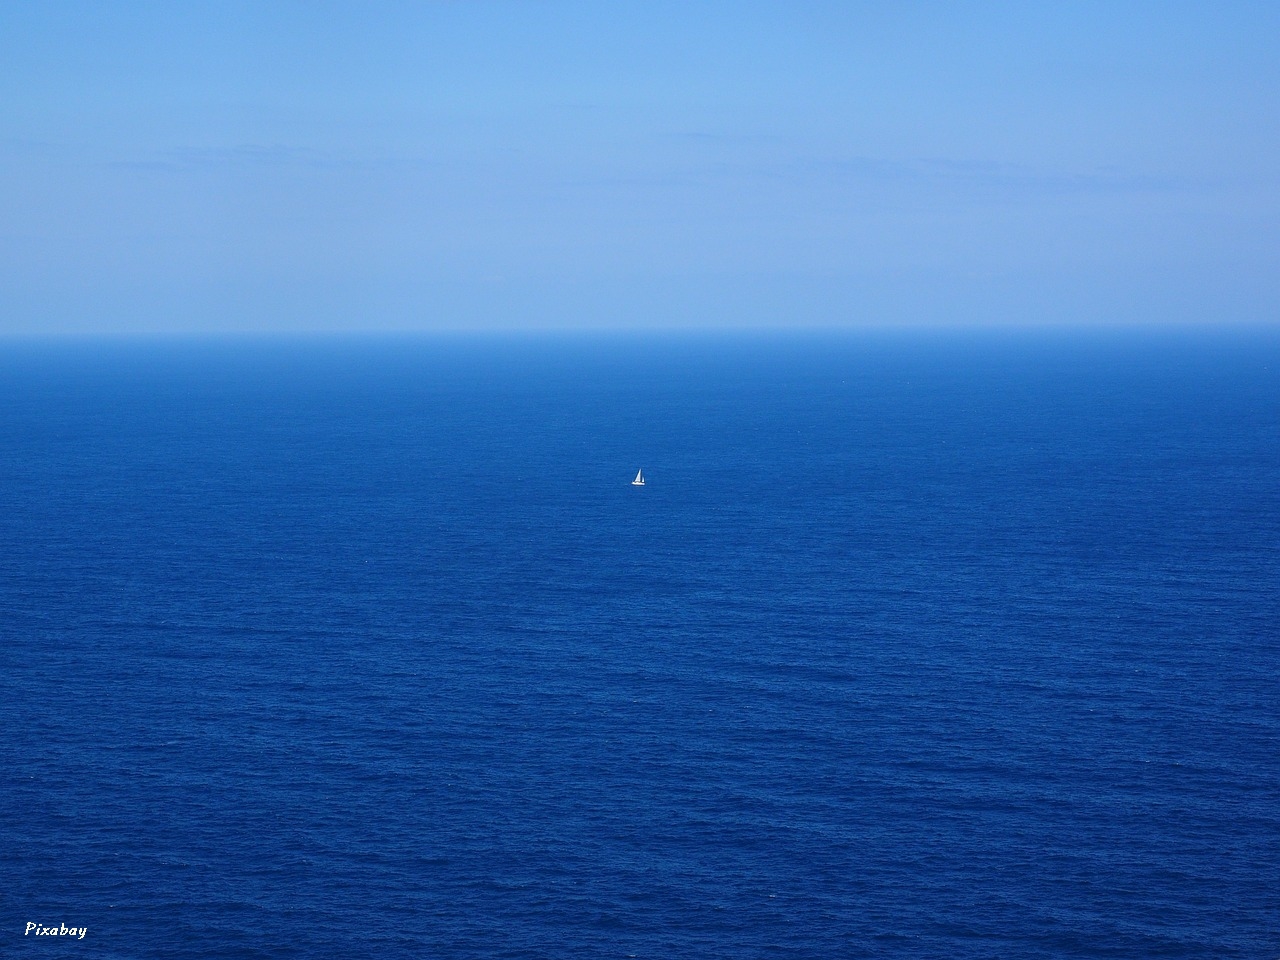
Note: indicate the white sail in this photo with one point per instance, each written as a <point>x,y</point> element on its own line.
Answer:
<point>639,480</point>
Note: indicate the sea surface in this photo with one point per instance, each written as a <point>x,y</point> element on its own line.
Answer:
<point>914,645</point>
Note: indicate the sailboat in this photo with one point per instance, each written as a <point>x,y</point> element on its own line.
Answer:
<point>639,480</point>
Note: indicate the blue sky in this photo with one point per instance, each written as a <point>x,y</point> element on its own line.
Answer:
<point>471,164</point>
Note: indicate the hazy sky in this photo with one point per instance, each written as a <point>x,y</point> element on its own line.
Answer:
<point>325,165</point>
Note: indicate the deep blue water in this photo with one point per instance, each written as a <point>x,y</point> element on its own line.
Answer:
<point>913,646</point>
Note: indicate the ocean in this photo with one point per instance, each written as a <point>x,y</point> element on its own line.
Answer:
<point>913,645</point>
